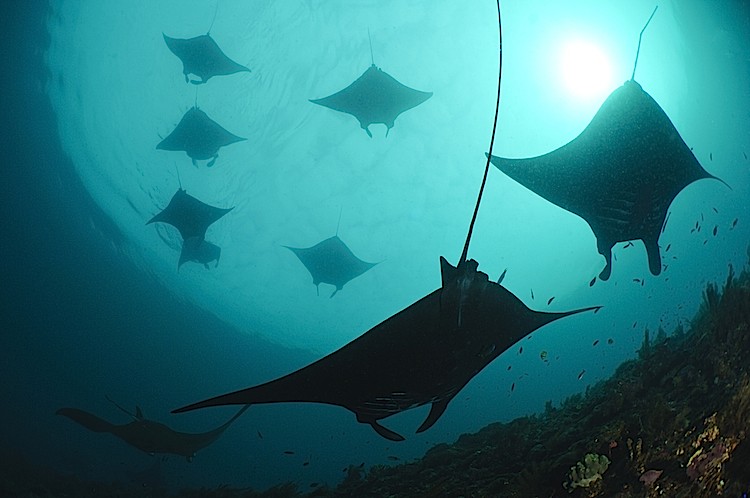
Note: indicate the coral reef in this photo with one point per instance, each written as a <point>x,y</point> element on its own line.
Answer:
<point>586,472</point>
<point>671,422</point>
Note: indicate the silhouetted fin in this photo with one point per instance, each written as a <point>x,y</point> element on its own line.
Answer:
<point>199,137</point>
<point>202,57</point>
<point>86,419</point>
<point>375,97</point>
<point>436,411</point>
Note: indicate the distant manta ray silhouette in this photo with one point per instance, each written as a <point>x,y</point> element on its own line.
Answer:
<point>375,97</point>
<point>202,57</point>
<point>331,262</point>
<point>621,174</point>
<point>149,436</point>
<point>425,354</point>
<point>199,137</point>
<point>192,218</point>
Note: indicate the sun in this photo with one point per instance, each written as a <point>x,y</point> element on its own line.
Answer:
<point>586,70</point>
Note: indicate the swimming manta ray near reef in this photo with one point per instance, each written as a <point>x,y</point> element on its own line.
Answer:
<point>374,97</point>
<point>150,436</point>
<point>425,354</point>
<point>621,174</point>
<point>199,136</point>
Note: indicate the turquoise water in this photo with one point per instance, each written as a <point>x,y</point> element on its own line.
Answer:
<point>94,305</point>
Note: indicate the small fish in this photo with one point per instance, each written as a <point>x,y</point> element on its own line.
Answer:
<point>637,280</point>
<point>734,223</point>
<point>532,293</point>
<point>580,375</point>
<point>635,323</point>
<point>744,154</point>
<point>550,300</point>
<point>715,210</point>
<point>699,228</point>
<point>260,435</point>
<point>502,276</point>
<point>610,341</point>
<point>595,342</point>
<point>668,246</point>
<point>593,281</point>
<point>305,463</point>
<point>393,457</point>
<point>520,350</point>
<point>710,156</point>
<point>701,216</point>
<point>543,355</point>
<point>512,387</point>
<point>289,452</point>
<point>509,367</point>
<point>716,229</point>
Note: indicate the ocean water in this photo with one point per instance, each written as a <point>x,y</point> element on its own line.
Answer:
<point>93,305</point>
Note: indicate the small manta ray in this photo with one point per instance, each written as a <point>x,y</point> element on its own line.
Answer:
<point>425,354</point>
<point>199,136</point>
<point>202,57</point>
<point>192,218</point>
<point>149,436</point>
<point>375,97</point>
<point>620,174</point>
<point>331,262</point>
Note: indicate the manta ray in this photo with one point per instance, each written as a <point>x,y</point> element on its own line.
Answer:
<point>150,436</point>
<point>202,57</point>
<point>199,136</point>
<point>375,97</point>
<point>425,354</point>
<point>192,218</point>
<point>621,174</point>
<point>331,262</point>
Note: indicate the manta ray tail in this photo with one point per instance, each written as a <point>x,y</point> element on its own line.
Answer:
<point>86,419</point>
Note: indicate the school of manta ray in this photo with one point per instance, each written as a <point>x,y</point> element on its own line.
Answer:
<point>620,175</point>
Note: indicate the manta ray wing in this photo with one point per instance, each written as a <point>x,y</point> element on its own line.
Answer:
<point>202,57</point>
<point>331,262</point>
<point>375,97</point>
<point>199,136</point>
<point>620,174</point>
<point>424,354</point>
<point>189,215</point>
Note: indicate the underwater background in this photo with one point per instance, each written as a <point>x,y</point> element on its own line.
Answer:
<point>93,305</point>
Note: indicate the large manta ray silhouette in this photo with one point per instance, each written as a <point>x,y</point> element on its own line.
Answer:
<point>202,57</point>
<point>620,174</point>
<point>375,97</point>
<point>150,436</point>
<point>192,218</point>
<point>331,262</point>
<point>199,136</point>
<point>424,354</point>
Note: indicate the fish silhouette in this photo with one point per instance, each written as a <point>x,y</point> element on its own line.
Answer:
<point>331,262</point>
<point>202,57</point>
<point>199,137</point>
<point>150,436</point>
<point>192,218</point>
<point>621,174</point>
